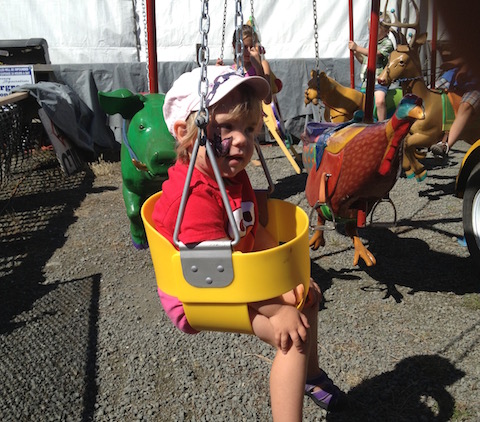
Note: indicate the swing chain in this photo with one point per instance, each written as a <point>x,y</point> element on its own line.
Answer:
<point>239,36</point>
<point>144,13</point>
<point>203,58</point>
<point>252,19</point>
<point>223,29</point>
<point>315,29</point>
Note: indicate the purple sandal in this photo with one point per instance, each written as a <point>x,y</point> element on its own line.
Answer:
<point>328,397</point>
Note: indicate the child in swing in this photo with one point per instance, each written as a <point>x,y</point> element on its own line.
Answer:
<point>234,105</point>
<point>254,64</point>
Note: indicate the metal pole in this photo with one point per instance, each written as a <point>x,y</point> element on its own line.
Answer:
<point>352,58</point>
<point>433,70</point>
<point>152,47</point>
<point>372,61</point>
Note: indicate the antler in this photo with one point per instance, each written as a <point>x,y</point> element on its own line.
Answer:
<point>415,25</point>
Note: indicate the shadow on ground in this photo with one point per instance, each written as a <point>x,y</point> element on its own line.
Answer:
<point>54,323</point>
<point>415,390</point>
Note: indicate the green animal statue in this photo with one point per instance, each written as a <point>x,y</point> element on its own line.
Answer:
<point>148,150</point>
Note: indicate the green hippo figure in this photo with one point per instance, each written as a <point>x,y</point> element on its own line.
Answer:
<point>148,150</point>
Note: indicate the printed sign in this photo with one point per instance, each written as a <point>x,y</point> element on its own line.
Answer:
<point>66,154</point>
<point>13,76</point>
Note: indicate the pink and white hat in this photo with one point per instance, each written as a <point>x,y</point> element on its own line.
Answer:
<point>183,97</point>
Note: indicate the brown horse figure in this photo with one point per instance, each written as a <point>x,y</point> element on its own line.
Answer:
<point>404,66</point>
<point>342,102</point>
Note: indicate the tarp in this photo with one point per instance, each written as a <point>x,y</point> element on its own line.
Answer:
<point>70,114</point>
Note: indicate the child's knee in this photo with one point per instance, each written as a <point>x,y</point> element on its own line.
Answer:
<point>295,296</point>
<point>380,102</point>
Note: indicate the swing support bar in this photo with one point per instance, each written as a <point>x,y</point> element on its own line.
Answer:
<point>372,61</point>
<point>352,60</point>
<point>152,47</point>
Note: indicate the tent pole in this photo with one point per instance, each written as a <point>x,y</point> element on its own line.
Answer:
<point>352,59</point>
<point>152,47</point>
<point>372,61</point>
<point>433,74</point>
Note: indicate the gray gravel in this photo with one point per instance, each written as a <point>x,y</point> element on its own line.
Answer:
<point>83,336</point>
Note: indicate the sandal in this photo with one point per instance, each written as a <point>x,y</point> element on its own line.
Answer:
<point>328,397</point>
<point>440,149</point>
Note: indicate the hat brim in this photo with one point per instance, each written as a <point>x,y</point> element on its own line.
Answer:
<point>260,87</point>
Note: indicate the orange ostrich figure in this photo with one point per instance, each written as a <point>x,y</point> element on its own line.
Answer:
<point>354,166</point>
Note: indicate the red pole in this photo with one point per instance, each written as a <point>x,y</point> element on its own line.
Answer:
<point>433,70</point>
<point>352,58</point>
<point>152,47</point>
<point>372,61</point>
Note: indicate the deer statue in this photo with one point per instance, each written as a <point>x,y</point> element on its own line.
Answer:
<point>404,66</point>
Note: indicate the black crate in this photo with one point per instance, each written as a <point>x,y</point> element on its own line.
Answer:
<point>27,51</point>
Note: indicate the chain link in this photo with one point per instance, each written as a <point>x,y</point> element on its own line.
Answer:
<point>203,59</point>
<point>239,36</point>
<point>252,14</point>
<point>317,56</point>
<point>145,33</point>
<point>315,29</point>
<point>223,29</point>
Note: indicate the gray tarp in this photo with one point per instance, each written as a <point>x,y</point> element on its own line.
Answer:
<point>88,79</point>
<point>86,128</point>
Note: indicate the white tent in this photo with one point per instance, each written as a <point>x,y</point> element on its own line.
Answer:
<point>113,31</point>
<point>101,44</point>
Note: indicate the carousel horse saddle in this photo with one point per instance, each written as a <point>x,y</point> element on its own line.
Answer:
<point>330,141</point>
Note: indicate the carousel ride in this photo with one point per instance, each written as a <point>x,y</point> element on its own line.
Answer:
<point>324,189</point>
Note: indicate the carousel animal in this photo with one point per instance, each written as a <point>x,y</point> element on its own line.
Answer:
<point>147,152</point>
<point>440,107</point>
<point>342,102</point>
<point>352,166</point>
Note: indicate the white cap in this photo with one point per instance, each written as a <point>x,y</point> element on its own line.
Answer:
<point>183,97</point>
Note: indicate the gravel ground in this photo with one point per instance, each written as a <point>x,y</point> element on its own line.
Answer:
<point>83,336</point>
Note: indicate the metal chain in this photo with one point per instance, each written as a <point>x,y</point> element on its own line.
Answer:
<point>315,29</point>
<point>317,57</point>
<point>145,33</point>
<point>223,29</point>
<point>203,59</point>
<point>252,16</point>
<point>254,23</point>
<point>239,36</point>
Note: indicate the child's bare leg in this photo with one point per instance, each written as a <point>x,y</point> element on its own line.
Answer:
<point>287,375</point>
<point>326,394</point>
<point>380,102</point>
<point>287,385</point>
<point>313,368</point>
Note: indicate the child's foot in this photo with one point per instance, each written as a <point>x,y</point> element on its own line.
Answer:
<point>325,393</point>
<point>440,149</point>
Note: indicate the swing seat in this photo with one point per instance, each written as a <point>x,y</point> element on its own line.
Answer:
<point>257,276</point>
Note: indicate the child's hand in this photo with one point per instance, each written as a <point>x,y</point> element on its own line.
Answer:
<point>219,62</point>
<point>290,327</point>
<point>352,45</point>
<point>254,53</point>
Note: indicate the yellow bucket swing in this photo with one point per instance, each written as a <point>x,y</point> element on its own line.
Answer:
<point>215,283</point>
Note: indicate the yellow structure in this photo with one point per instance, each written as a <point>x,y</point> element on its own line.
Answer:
<point>257,276</point>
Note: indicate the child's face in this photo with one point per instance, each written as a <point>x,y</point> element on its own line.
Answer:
<point>233,137</point>
<point>248,44</point>
<point>382,31</point>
